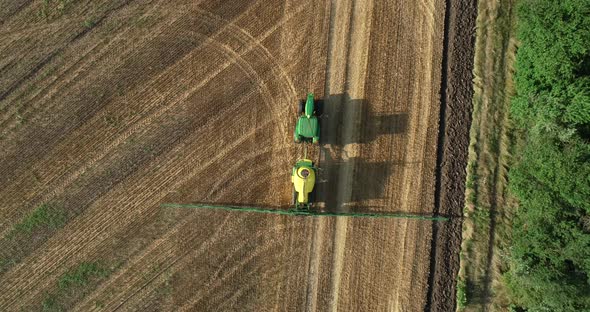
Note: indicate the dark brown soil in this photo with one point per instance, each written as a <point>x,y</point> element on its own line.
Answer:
<point>456,95</point>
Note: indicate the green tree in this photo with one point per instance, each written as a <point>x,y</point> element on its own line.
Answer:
<point>550,250</point>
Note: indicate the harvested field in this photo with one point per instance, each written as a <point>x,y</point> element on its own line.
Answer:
<point>110,108</point>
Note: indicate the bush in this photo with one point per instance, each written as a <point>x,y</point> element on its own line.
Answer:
<point>550,251</point>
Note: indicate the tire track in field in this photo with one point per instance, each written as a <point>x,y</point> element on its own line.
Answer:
<point>230,111</point>
<point>52,55</point>
<point>83,64</point>
<point>356,64</point>
<point>138,262</point>
<point>151,285</point>
<point>24,39</point>
<point>103,50</point>
<point>246,37</point>
<point>18,33</point>
<point>222,274</point>
<point>249,135</point>
<point>11,11</point>
<point>221,277</point>
<point>144,261</point>
<point>217,278</point>
<point>246,49</point>
<point>319,224</point>
<point>218,117</point>
<point>87,59</point>
<point>94,159</point>
<point>230,171</point>
<point>421,122</point>
<point>142,122</point>
<point>239,61</point>
<point>229,188</point>
<point>25,178</point>
<point>347,61</point>
<point>53,256</point>
<point>423,113</point>
<point>402,80</point>
<point>206,127</point>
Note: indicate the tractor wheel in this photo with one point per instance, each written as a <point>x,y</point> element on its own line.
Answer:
<point>294,198</point>
<point>301,107</point>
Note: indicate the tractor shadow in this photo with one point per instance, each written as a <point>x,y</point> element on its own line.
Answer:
<point>368,182</point>
<point>367,125</point>
<point>344,121</point>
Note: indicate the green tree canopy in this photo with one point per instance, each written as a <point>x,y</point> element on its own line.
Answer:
<point>550,251</point>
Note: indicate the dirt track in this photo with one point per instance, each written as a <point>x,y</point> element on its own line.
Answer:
<point>149,103</point>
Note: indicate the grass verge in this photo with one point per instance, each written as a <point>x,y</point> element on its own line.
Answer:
<point>488,206</point>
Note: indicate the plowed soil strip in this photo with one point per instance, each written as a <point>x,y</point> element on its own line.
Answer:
<point>456,96</point>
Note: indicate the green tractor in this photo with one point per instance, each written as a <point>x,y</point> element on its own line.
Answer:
<point>308,127</point>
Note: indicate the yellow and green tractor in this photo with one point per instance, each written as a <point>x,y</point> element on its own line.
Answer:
<point>308,126</point>
<point>303,177</point>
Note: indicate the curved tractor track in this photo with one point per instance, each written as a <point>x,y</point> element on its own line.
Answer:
<point>110,108</point>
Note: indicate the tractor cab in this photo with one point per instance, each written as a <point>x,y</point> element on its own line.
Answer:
<point>308,127</point>
<point>303,178</point>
